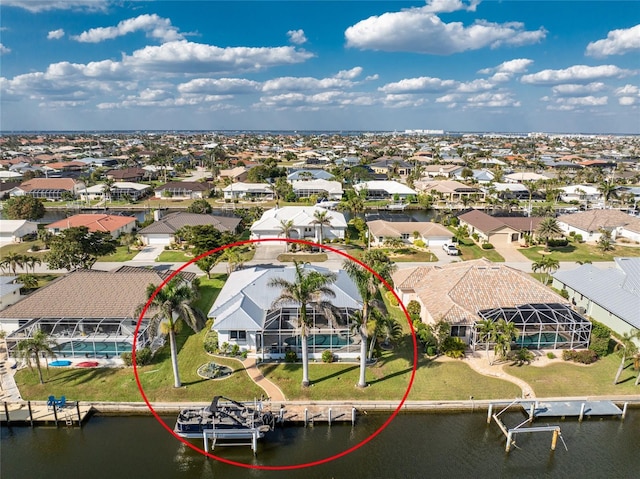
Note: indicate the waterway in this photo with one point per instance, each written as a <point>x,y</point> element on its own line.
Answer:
<point>425,445</point>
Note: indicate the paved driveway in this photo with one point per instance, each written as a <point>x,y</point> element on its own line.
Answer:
<point>149,253</point>
<point>510,253</point>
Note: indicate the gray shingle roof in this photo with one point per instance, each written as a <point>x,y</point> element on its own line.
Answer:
<point>615,289</point>
<point>174,221</point>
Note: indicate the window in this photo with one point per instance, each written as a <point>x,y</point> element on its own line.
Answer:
<point>238,335</point>
<point>458,331</point>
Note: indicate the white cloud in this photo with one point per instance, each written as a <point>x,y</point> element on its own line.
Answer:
<point>55,34</point>
<point>447,6</point>
<point>37,6</point>
<point>188,58</point>
<point>297,37</point>
<point>154,26</point>
<point>453,97</point>
<point>506,70</point>
<point>492,100</point>
<point>418,85</point>
<point>4,50</point>
<point>221,85</point>
<point>576,73</point>
<point>313,102</point>
<point>627,100</point>
<point>342,80</point>
<point>618,42</point>
<point>628,90</point>
<point>419,30</point>
<point>475,86</point>
<point>573,89</point>
<point>351,74</point>
<point>575,103</point>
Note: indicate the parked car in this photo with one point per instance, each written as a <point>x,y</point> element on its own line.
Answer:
<point>451,249</point>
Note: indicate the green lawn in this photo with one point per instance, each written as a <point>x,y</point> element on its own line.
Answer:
<point>23,249</point>
<point>120,255</point>
<point>476,252</point>
<point>303,257</point>
<point>580,252</point>
<point>398,255</point>
<point>566,378</point>
<point>209,289</point>
<point>171,256</point>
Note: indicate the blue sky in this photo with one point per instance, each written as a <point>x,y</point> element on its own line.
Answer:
<point>457,65</point>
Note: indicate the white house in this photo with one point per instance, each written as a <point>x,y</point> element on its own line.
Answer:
<point>119,190</point>
<point>581,193</point>
<point>332,190</point>
<point>12,231</point>
<point>244,314</point>
<point>590,223</point>
<point>381,189</point>
<point>432,234</point>
<point>304,223</point>
<point>240,190</point>
<point>9,292</point>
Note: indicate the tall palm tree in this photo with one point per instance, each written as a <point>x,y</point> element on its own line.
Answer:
<point>608,191</point>
<point>548,228</point>
<point>309,289</point>
<point>173,303</point>
<point>12,261</point>
<point>626,348</point>
<point>322,219</point>
<point>367,285</point>
<point>505,333</point>
<point>286,226</point>
<point>487,333</point>
<point>547,265</point>
<point>31,262</point>
<point>233,257</point>
<point>34,347</point>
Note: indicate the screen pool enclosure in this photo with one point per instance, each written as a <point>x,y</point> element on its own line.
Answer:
<point>540,326</point>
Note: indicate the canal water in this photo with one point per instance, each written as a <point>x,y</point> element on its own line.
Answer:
<point>425,445</point>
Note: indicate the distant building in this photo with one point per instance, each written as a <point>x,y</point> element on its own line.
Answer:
<point>163,231</point>
<point>51,189</point>
<point>183,190</point>
<point>378,190</point>
<point>304,223</point>
<point>498,230</point>
<point>432,234</point>
<point>12,231</point>
<point>591,223</point>
<point>115,225</point>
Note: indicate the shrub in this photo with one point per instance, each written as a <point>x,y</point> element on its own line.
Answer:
<point>291,356</point>
<point>126,358</point>
<point>244,354</point>
<point>235,350</point>
<point>487,246</point>
<point>555,243</point>
<point>393,301</point>
<point>564,293</point>
<point>551,355</point>
<point>599,330</point>
<point>327,356</point>
<point>419,243</point>
<point>414,308</point>
<point>584,356</point>
<point>35,248</point>
<point>578,238</point>
<point>601,346</point>
<point>431,350</point>
<point>143,356</point>
<point>521,356</point>
<point>453,347</point>
<point>475,236</point>
<point>211,342</point>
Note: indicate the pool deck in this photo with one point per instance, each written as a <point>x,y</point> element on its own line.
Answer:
<point>571,408</point>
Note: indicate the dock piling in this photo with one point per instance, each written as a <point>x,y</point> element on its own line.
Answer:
<point>30,413</point>
<point>6,413</point>
<point>489,413</point>
<point>353,416</point>
<point>581,415</point>
<point>55,414</point>
<point>306,416</point>
<point>624,410</point>
<point>554,439</point>
<point>329,416</point>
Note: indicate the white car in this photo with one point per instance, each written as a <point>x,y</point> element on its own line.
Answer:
<point>451,249</point>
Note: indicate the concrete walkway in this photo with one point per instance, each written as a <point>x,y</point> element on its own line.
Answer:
<point>479,363</point>
<point>510,253</point>
<point>274,393</point>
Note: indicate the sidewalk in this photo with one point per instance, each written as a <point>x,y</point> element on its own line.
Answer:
<point>274,393</point>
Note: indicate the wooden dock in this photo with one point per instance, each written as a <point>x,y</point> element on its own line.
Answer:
<point>38,413</point>
<point>565,409</point>
<point>312,414</point>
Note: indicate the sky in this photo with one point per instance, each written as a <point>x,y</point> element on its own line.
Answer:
<point>455,65</point>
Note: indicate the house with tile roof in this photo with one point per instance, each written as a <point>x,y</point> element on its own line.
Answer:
<point>115,225</point>
<point>118,191</point>
<point>610,295</point>
<point>50,189</point>
<point>236,191</point>
<point>331,190</point>
<point>466,292</point>
<point>432,234</point>
<point>383,189</point>
<point>449,190</point>
<point>244,314</point>
<point>183,190</point>
<point>163,231</point>
<point>498,230</point>
<point>129,174</point>
<point>304,225</point>
<point>88,313</point>
<point>590,224</point>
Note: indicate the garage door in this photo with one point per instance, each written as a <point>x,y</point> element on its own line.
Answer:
<point>158,240</point>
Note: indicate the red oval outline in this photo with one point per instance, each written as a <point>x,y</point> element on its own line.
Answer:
<point>290,466</point>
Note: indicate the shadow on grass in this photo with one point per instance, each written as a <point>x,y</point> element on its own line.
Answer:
<point>333,375</point>
<point>389,376</point>
<point>80,376</point>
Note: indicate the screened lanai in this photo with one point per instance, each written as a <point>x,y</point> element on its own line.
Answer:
<point>281,332</point>
<point>84,337</point>
<point>540,326</point>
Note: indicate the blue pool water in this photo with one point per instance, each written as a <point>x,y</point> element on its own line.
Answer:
<point>82,349</point>
<point>546,339</point>
<point>320,340</point>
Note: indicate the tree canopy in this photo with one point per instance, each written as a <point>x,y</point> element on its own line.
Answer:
<point>77,247</point>
<point>24,208</point>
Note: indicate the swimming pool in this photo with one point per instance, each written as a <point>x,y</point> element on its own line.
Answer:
<point>320,340</point>
<point>89,348</point>
<point>543,339</point>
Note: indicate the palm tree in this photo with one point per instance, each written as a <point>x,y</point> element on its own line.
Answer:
<point>12,261</point>
<point>487,333</point>
<point>286,226</point>
<point>548,228</point>
<point>504,334</point>
<point>322,219</point>
<point>172,303</point>
<point>626,348</point>
<point>608,190</point>
<point>367,285</point>
<point>34,347</point>
<point>28,281</point>
<point>547,265</point>
<point>31,262</point>
<point>307,290</point>
<point>233,257</point>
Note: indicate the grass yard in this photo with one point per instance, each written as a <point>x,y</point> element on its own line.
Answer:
<point>566,378</point>
<point>580,252</point>
<point>209,289</point>
<point>303,257</point>
<point>23,249</point>
<point>120,255</point>
<point>171,256</point>
<point>476,252</point>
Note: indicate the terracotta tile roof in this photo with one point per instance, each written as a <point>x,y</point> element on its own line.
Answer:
<point>48,184</point>
<point>87,294</point>
<point>456,291</point>
<point>174,221</point>
<point>95,222</point>
<point>487,223</point>
<point>593,220</point>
